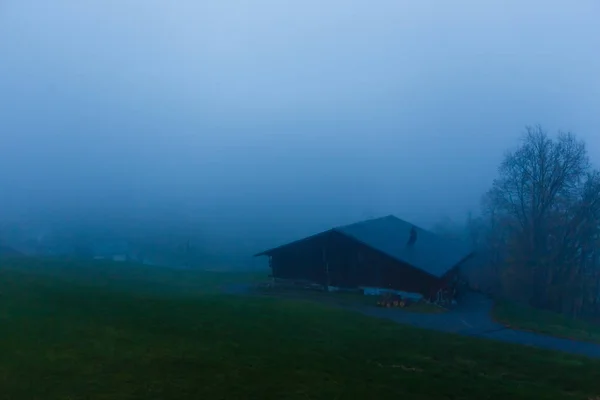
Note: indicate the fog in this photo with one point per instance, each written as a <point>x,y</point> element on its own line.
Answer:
<point>258,121</point>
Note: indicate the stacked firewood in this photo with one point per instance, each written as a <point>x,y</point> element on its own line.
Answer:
<point>392,300</point>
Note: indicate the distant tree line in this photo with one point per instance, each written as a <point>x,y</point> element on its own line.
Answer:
<point>538,233</point>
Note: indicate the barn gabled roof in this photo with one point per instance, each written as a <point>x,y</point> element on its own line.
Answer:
<point>431,253</point>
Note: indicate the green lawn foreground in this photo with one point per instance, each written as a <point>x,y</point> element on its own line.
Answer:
<point>522,317</point>
<point>62,339</point>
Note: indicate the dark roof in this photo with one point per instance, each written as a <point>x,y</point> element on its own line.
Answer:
<point>431,253</point>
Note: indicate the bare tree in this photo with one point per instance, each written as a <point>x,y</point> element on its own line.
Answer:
<point>543,218</point>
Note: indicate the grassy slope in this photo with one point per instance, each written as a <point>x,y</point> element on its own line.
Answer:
<point>62,340</point>
<point>527,318</point>
<point>124,276</point>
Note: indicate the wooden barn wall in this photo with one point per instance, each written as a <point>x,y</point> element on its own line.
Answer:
<point>348,264</point>
<point>301,261</point>
<point>353,264</point>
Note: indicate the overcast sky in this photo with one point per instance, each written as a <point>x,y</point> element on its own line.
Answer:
<point>283,112</point>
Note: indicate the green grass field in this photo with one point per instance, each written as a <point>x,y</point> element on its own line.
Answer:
<point>526,318</point>
<point>99,331</point>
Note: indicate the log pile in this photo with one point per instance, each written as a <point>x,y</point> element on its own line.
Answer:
<point>393,301</point>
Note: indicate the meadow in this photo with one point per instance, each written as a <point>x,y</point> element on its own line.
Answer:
<point>73,330</point>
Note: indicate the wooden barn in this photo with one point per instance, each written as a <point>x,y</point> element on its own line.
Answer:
<point>386,253</point>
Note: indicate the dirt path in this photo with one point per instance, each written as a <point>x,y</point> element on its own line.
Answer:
<point>472,317</point>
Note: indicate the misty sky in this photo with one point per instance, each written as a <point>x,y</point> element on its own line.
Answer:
<point>283,112</point>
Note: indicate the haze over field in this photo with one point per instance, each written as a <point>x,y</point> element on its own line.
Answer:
<point>255,120</point>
